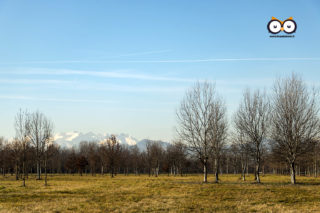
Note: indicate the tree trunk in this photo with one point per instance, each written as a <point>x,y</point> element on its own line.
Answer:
<point>243,170</point>
<point>17,172</point>
<point>247,163</point>
<point>24,174</point>
<point>258,157</point>
<point>45,173</point>
<point>293,173</point>
<point>216,163</point>
<point>38,170</point>
<point>227,166</point>
<point>244,176</point>
<point>205,172</point>
<point>257,173</point>
<point>315,168</point>
<point>157,169</point>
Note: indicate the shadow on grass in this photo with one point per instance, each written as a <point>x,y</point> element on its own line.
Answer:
<point>288,184</point>
<point>306,184</point>
<point>249,182</point>
<point>195,182</point>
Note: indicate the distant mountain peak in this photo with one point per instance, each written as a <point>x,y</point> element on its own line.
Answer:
<point>70,139</point>
<point>73,139</point>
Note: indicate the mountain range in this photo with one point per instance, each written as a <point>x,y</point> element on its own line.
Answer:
<point>72,139</point>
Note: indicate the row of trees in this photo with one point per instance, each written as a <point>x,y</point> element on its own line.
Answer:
<point>92,158</point>
<point>284,125</point>
<point>277,133</point>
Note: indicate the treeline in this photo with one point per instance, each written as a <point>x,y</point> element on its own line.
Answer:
<point>23,160</point>
<point>276,133</point>
<point>110,157</point>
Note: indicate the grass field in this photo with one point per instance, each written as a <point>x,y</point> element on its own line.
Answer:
<point>67,193</point>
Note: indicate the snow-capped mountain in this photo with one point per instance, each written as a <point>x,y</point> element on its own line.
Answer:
<point>70,139</point>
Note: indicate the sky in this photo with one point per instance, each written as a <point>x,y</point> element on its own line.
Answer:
<point>124,66</point>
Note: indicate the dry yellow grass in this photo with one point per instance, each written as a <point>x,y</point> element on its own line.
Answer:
<point>67,193</point>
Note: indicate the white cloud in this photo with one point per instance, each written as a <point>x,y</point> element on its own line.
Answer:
<point>34,81</point>
<point>122,74</point>
<point>203,60</point>
<point>29,98</point>
<point>146,53</point>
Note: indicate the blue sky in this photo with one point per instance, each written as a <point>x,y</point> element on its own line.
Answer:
<point>123,66</point>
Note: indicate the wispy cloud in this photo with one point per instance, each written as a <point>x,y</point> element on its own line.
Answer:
<point>130,89</point>
<point>29,98</point>
<point>27,75</point>
<point>114,74</point>
<point>109,102</point>
<point>205,60</point>
<point>145,53</point>
<point>33,81</point>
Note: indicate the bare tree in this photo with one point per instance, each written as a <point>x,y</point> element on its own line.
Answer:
<point>71,161</point>
<point>102,152</point>
<point>176,156</point>
<point>3,155</point>
<point>40,131</point>
<point>50,150</point>
<point>316,152</point>
<point>154,156</point>
<point>136,159</point>
<point>93,157</point>
<point>195,121</point>
<point>295,121</point>
<point>15,153</point>
<point>218,133</point>
<point>112,153</point>
<point>234,157</point>
<point>81,163</point>
<point>252,121</point>
<point>243,148</point>
<point>22,139</point>
<point>125,158</point>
